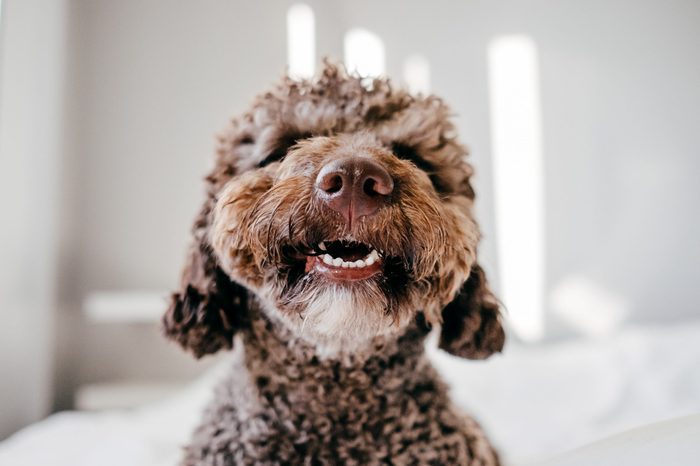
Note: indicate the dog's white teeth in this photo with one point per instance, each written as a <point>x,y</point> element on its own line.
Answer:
<point>322,246</point>
<point>371,258</point>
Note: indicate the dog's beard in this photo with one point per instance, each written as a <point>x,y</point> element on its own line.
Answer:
<point>343,316</point>
<point>337,317</point>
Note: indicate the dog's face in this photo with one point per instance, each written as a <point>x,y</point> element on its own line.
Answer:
<point>346,235</point>
<point>346,211</point>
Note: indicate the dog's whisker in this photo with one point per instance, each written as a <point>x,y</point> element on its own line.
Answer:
<point>306,317</point>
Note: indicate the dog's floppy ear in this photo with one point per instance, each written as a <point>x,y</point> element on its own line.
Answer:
<point>471,323</point>
<point>205,312</point>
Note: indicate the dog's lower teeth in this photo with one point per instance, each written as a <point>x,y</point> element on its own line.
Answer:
<point>370,259</point>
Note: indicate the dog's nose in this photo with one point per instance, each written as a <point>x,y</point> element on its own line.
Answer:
<point>354,186</point>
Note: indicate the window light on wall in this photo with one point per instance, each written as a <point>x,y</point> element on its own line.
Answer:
<point>518,180</point>
<point>416,74</point>
<point>301,41</point>
<point>364,52</point>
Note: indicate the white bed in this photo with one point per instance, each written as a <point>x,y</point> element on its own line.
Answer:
<point>634,396</point>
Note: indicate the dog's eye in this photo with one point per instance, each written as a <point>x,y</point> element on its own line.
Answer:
<point>283,145</point>
<point>406,152</point>
<point>275,156</point>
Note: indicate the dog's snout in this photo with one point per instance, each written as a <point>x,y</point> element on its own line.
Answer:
<point>354,186</point>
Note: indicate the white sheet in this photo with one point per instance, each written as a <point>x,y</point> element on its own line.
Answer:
<point>536,402</point>
<point>675,442</point>
<point>151,435</point>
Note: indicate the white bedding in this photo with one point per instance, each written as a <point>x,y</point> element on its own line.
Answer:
<point>674,443</point>
<point>536,403</point>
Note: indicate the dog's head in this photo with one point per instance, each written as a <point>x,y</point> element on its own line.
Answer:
<point>345,209</point>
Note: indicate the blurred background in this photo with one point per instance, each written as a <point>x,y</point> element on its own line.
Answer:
<point>582,122</point>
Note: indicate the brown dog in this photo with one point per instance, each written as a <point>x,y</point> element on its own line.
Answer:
<point>337,231</point>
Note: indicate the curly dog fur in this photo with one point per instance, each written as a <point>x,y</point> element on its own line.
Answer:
<point>326,369</point>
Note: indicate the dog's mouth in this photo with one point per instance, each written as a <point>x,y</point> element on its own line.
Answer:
<point>347,261</point>
<point>344,260</point>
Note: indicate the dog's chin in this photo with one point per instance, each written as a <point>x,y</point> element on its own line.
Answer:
<point>341,310</point>
<point>340,319</point>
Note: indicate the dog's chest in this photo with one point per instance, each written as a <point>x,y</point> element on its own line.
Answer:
<point>350,418</point>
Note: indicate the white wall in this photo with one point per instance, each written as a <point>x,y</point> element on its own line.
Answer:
<point>31,137</point>
<point>621,111</point>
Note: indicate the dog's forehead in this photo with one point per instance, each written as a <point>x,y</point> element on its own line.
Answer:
<point>314,109</point>
<point>333,104</point>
